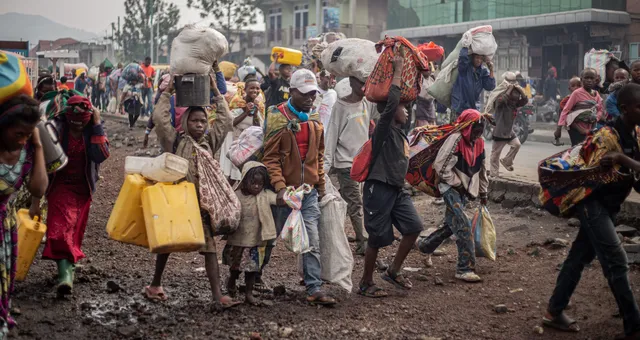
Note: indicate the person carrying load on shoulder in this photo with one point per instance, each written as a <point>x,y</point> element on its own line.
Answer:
<point>294,155</point>
<point>472,79</point>
<point>275,86</point>
<point>613,151</point>
<point>462,173</point>
<point>385,202</point>
<point>198,142</point>
<point>582,110</point>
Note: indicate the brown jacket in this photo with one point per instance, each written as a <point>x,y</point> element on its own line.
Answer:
<point>282,159</point>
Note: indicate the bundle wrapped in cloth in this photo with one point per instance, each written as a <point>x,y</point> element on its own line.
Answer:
<point>132,72</point>
<point>14,79</point>
<point>379,82</point>
<point>432,51</point>
<point>480,41</point>
<point>195,50</point>
<point>350,58</point>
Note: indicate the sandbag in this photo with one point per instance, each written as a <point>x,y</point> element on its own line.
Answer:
<point>294,233</point>
<point>246,147</point>
<point>195,50</point>
<point>479,40</point>
<point>94,72</point>
<point>379,82</point>
<point>350,58</point>
<point>598,60</point>
<point>343,88</point>
<point>132,72</point>
<point>484,234</point>
<point>335,254</point>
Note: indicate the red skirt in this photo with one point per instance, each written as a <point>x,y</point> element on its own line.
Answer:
<point>66,223</point>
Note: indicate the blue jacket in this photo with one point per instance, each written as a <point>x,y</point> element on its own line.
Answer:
<point>470,83</point>
<point>611,105</point>
<point>97,150</point>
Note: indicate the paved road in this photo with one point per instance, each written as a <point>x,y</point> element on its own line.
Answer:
<point>526,163</point>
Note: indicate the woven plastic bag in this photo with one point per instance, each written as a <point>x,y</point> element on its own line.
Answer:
<point>195,50</point>
<point>350,58</point>
<point>379,82</point>
<point>484,234</point>
<point>335,254</point>
<point>294,233</point>
<point>481,41</point>
<point>598,60</point>
<point>246,147</point>
<point>132,72</point>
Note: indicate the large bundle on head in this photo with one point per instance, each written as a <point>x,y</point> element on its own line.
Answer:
<point>432,51</point>
<point>350,58</point>
<point>14,79</point>
<point>379,83</point>
<point>480,41</point>
<point>132,72</point>
<point>195,50</point>
<point>343,88</point>
<point>598,60</point>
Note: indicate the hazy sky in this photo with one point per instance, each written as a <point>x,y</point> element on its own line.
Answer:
<point>90,15</point>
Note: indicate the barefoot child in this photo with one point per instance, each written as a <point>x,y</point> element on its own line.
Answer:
<point>582,110</point>
<point>197,135</point>
<point>242,252</point>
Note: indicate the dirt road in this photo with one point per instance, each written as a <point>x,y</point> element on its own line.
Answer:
<point>107,303</point>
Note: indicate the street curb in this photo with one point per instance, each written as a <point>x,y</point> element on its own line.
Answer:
<point>511,194</point>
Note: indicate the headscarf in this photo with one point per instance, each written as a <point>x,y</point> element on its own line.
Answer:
<point>58,101</point>
<point>472,151</point>
<point>500,90</point>
<point>14,79</point>
<point>78,109</point>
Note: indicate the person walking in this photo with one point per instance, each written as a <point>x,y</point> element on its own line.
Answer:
<point>582,110</point>
<point>147,86</point>
<point>346,132</point>
<point>276,87</point>
<point>326,97</point>
<point>472,79</point>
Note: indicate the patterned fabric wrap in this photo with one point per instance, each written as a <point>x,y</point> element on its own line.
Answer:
<point>14,79</point>
<point>277,119</point>
<point>133,72</point>
<point>571,176</point>
<point>238,102</point>
<point>379,82</point>
<point>425,142</point>
<point>294,234</point>
<point>216,195</point>
<point>58,102</point>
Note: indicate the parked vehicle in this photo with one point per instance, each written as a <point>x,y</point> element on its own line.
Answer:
<point>546,111</point>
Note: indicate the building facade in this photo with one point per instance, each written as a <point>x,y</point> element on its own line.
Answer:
<point>289,23</point>
<point>529,33</point>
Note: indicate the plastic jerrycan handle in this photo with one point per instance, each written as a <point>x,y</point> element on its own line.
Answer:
<point>53,132</point>
<point>37,220</point>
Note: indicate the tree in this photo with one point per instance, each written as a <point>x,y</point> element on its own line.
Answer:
<point>134,36</point>
<point>228,15</point>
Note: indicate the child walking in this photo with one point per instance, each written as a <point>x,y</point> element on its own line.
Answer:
<point>198,142</point>
<point>583,109</point>
<point>244,251</point>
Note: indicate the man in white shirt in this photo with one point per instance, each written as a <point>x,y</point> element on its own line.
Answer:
<point>326,97</point>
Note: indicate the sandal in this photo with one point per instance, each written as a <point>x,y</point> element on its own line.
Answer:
<point>154,293</point>
<point>372,291</point>
<point>509,168</point>
<point>225,303</point>
<point>561,322</point>
<point>397,280</point>
<point>321,299</point>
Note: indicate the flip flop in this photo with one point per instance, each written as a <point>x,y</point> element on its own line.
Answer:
<point>226,303</point>
<point>154,294</point>
<point>509,168</point>
<point>321,299</point>
<point>372,291</point>
<point>397,280</point>
<point>561,322</point>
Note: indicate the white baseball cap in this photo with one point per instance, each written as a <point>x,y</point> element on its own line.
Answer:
<point>304,81</point>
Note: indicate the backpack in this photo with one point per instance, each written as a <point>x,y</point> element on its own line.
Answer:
<point>362,162</point>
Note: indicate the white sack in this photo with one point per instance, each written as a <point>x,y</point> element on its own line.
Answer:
<point>598,60</point>
<point>343,88</point>
<point>350,58</point>
<point>195,50</point>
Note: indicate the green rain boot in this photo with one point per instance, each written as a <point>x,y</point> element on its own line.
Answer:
<point>65,277</point>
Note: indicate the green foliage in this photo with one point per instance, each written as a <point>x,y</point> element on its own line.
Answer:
<point>227,15</point>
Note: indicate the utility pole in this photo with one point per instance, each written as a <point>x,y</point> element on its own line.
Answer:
<point>157,35</point>
<point>151,30</point>
<point>319,17</point>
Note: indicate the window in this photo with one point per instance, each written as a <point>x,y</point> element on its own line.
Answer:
<point>301,21</point>
<point>275,24</point>
<point>634,52</point>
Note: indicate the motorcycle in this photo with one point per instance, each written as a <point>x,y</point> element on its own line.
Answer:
<point>546,111</point>
<point>521,125</point>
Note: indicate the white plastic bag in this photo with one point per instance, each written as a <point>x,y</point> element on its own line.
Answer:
<point>343,88</point>
<point>195,50</point>
<point>112,105</point>
<point>294,233</point>
<point>479,40</point>
<point>248,143</point>
<point>598,60</point>
<point>350,58</point>
<point>335,254</point>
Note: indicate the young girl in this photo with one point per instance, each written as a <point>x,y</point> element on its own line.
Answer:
<point>242,252</point>
<point>583,109</point>
<point>198,142</point>
<point>247,109</point>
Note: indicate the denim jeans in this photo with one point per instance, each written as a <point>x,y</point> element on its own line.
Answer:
<point>310,260</point>
<point>455,221</point>
<point>352,194</point>
<point>147,98</point>
<point>597,237</point>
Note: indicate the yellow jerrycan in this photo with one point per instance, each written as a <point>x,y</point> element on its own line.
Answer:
<point>30,233</point>
<point>287,56</point>
<point>172,216</point>
<point>126,223</point>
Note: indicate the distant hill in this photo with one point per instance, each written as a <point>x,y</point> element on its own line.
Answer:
<point>17,26</point>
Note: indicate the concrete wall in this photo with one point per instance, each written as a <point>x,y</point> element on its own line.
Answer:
<point>633,32</point>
